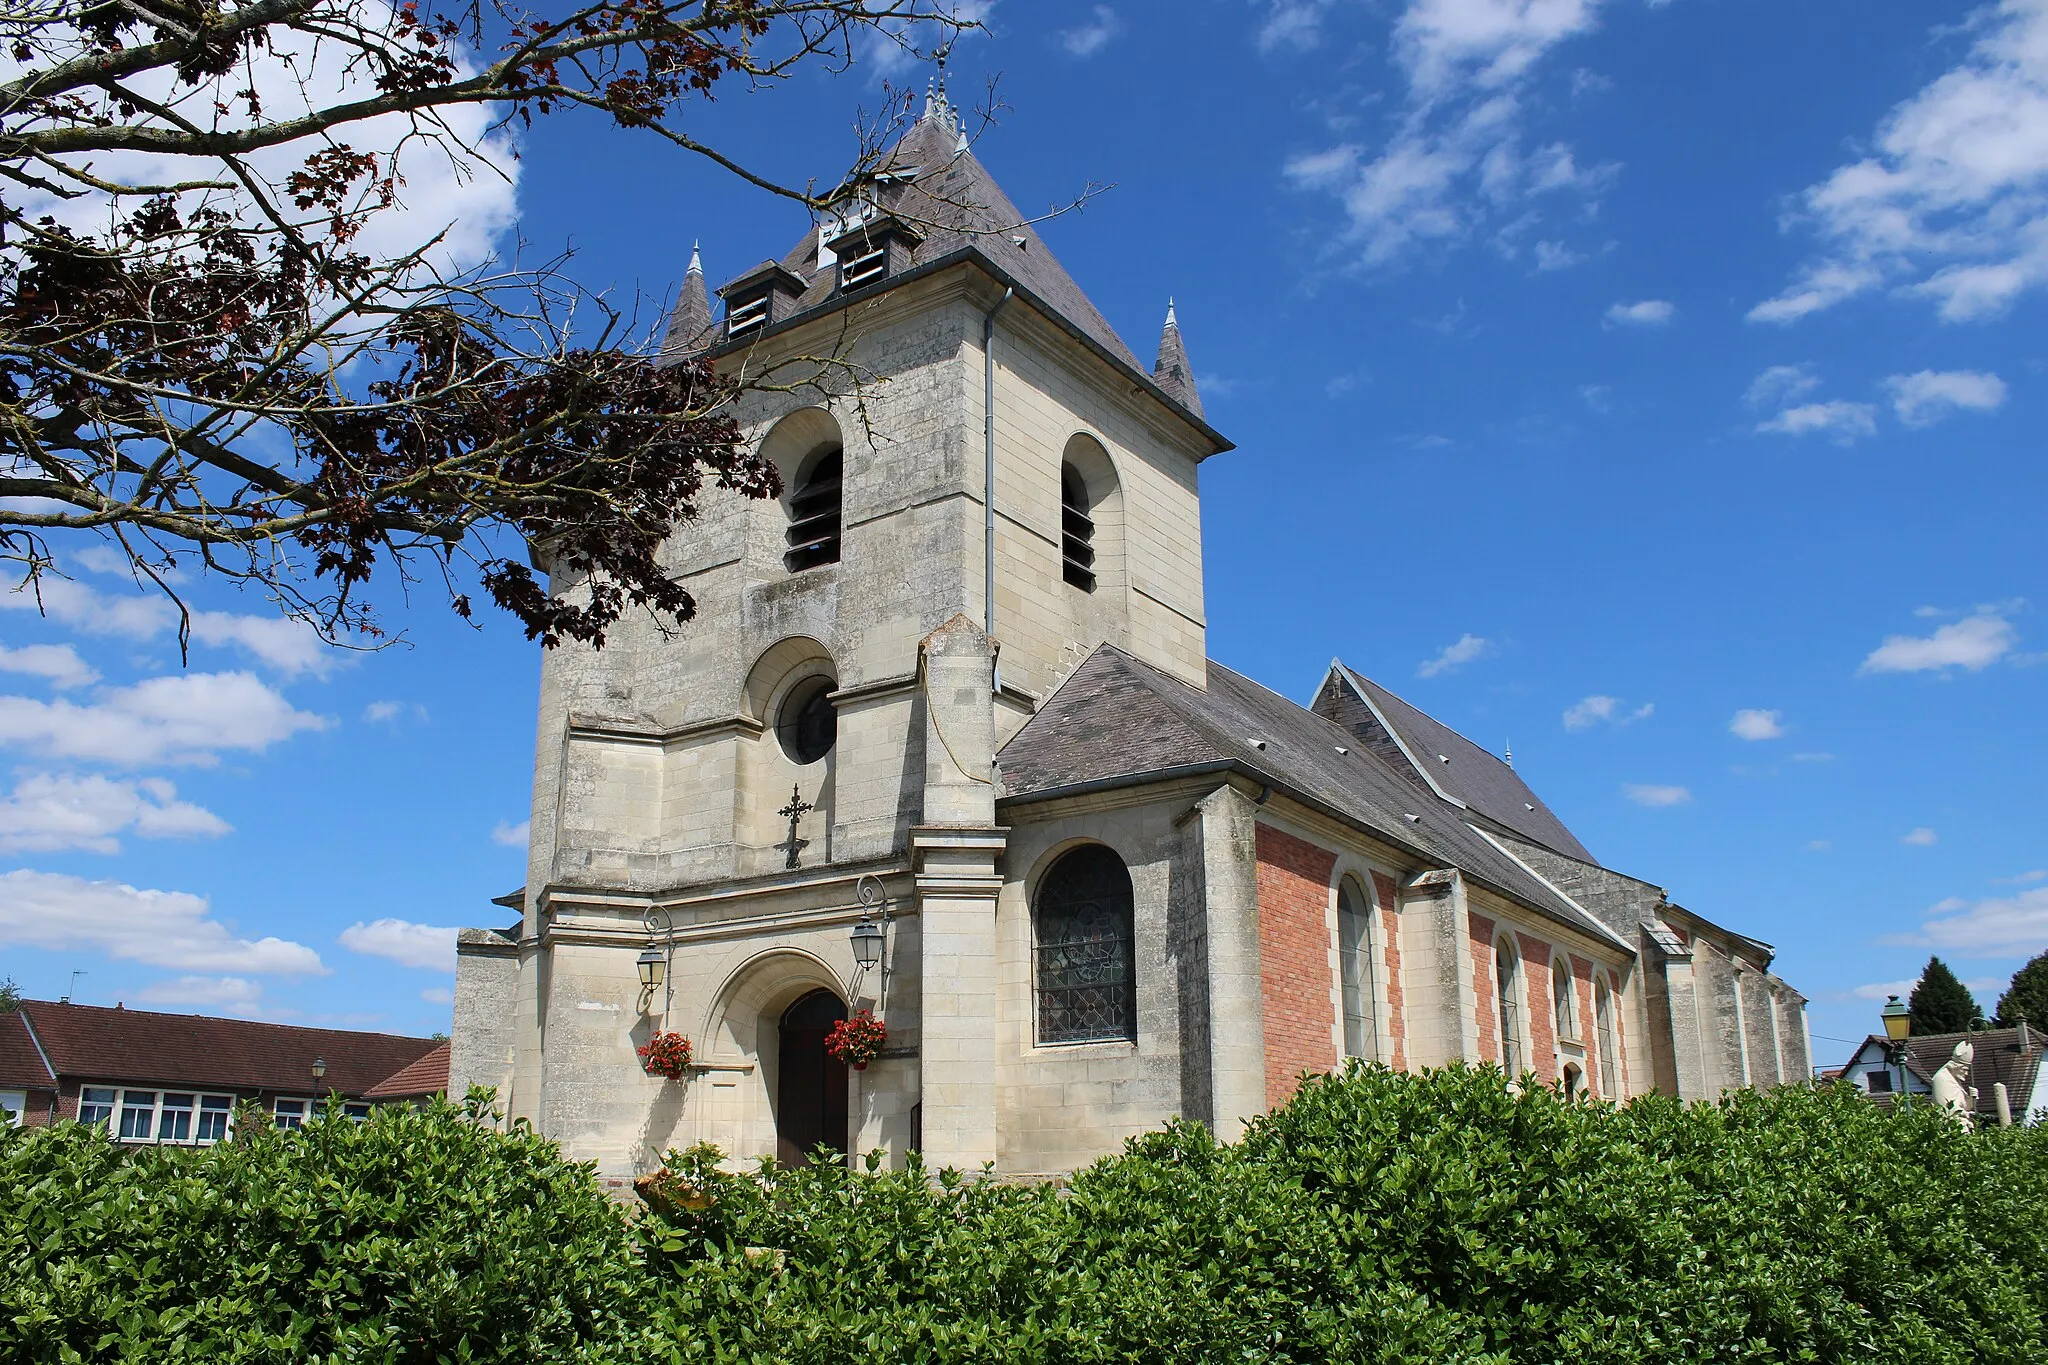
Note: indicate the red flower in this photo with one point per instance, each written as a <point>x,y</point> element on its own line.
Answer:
<point>857,1041</point>
<point>666,1054</point>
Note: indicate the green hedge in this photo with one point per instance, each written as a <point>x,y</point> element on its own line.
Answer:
<point>1379,1217</point>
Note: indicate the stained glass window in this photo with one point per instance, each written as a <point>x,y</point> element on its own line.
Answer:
<point>1354,951</point>
<point>1087,980</point>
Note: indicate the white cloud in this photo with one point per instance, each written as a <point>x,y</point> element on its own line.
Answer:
<point>1757,724</point>
<point>426,946</point>
<point>1295,25</point>
<point>291,647</point>
<point>1843,421</point>
<point>1090,38</point>
<point>438,995</point>
<point>1556,256</point>
<point>1592,711</point>
<point>1780,384</point>
<point>378,711</point>
<point>1455,656</point>
<point>2039,874</point>
<point>1647,313</point>
<point>1974,643</point>
<point>1456,161</point>
<point>1927,397</point>
<point>1998,926</point>
<point>1885,990</point>
<point>512,836</point>
<point>49,811</point>
<point>1654,795</point>
<point>1922,837</point>
<point>1952,203</point>
<point>1819,845</point>
<point>890,47</point>
<point>174,929</point>
<point>58,663</point>
<point>226,994</point>
<point>470,197</point>
<point>184,718</point>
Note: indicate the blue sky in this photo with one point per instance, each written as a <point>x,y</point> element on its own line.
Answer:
<point>1643,385</point>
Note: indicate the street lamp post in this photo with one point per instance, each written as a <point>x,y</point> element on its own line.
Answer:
<point>1898,1026</point>
<point>871,935</point>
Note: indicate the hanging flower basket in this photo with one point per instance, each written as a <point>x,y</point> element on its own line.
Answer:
<point>857,1041</point>
<point>666,1054</point>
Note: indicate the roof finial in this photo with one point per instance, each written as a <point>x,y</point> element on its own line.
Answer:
<point>1171,320</point>
<point>696,260</point>
<point>1509,755</point>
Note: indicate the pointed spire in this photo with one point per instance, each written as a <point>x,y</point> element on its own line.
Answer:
<point>689,324</point>
<point>1172,370</point>
<point>1510,754</point>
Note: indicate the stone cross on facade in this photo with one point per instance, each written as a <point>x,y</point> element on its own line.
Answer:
<point>796,810</point>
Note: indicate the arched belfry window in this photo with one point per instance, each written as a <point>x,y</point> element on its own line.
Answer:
<point>1354,950</point>
<point>1077,531</point>
<point>1507,975</point>
<point>814,512</point>
<point>1086,968</point>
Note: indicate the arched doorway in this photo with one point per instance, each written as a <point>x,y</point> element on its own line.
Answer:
<point>810,1088</point>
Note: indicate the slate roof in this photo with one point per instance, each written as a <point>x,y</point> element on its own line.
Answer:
<point>93,1043</point>
<point>1117,720</point>
<point>1456,766</point>
<point>960,212</point>
<point>21,1066</point>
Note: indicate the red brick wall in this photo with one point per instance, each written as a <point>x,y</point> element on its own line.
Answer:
<point>1390,923</point>
<point>1589,1023</point>
<point>1294,960</point>
<point>1542,1014</point>
<point>1483,991</point>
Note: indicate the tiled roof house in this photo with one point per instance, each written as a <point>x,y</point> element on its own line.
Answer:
<point>2000,1058</point>
<point>176,1077</point>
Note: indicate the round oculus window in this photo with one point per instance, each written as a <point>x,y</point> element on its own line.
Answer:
<point>808,724</point>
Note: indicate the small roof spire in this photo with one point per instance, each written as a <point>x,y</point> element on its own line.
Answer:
<point>1509,755</point>
<point>690,322</point>
<point>1172,371</point>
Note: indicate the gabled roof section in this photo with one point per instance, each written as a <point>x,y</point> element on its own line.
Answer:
<point>1445,761</point>
<point>427,1076</point>
<point>931,182</point>
<point>21,1062</point>
<point>1118,721</point>
<point>93,1043</point>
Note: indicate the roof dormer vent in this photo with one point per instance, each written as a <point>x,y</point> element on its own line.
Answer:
<point>867,247</point>
<point>763,296</point>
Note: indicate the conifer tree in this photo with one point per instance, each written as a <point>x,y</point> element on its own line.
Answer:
<point>1941,1003</point>
<point>2027,996</point>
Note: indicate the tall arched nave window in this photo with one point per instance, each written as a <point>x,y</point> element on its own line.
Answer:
<point>1354,951</point>
<point>1507,974</point>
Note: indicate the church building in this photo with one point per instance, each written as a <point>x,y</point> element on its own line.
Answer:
<point>944,744</point>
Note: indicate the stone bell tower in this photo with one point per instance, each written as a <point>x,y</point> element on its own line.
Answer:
<point>982,484</point>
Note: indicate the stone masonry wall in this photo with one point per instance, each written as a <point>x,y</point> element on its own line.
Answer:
<point>1294,959</point>
<point>1390,935</point>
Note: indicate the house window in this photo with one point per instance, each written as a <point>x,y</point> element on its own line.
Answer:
<point>807,723</point>
<point>1507,974</point>
<point>215,1112</point>
<point>1087,983</point>
<point>138,1115</point>
<point>1564,1000</point>
<point>814,513</point>
<point>174,1120</point>
<point>95,1106</point>
<point>13,1107</point>
<point>1603,1020</point>
<point>1077,531</point>
<point>1354,952</point>
<point>290,1113</point>
<point>356,1111</point>
<point>1880,1081</point>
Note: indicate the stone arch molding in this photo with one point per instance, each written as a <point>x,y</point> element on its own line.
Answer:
<point>795,438</point>
<point>784,663</point>
<point>762,986</point>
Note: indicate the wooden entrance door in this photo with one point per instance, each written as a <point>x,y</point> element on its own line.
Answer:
<point>810,1088</point>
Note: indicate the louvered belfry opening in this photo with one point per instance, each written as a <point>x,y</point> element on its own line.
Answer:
<point>1077,531</point>
<point>814,514</point>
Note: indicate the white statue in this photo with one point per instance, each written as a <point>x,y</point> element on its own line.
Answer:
<point>1951,1084</point>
